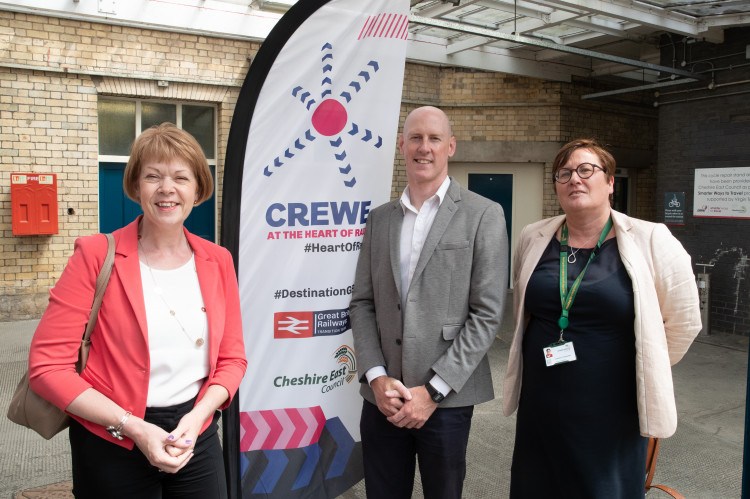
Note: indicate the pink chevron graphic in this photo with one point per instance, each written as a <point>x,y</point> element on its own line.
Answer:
<point>385,26</point>
<point>280,428</point>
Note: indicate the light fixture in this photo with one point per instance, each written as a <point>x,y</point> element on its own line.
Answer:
<point>162,83</point>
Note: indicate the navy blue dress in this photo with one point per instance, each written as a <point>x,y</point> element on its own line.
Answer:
<point>577,433</point>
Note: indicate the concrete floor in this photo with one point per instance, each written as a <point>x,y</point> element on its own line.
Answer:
<point>702,460</point>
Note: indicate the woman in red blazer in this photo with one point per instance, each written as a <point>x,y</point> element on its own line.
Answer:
<point>167,351</point>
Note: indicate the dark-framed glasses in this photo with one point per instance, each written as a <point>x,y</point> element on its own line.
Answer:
<point>584,170</point>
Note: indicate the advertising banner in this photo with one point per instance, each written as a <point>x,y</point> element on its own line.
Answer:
<point>314,138</point>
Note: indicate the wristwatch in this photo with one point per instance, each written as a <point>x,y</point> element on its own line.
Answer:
<point>435,395</point>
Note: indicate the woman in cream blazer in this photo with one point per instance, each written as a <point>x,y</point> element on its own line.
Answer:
<point>666,320</point>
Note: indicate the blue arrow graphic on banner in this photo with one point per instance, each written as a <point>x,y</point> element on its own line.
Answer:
<point>277,461</point>
<point>380,142</point>
<point>288,154</point>
<point>309,104</point>
<point>368,136</point>
<point>365,75</point>
<point>304,96</point>
<point>325,81</point>
<point>277,162</point>
<point>344,441</point>
<point>354,129</point>
<point>341,156</point>
<point>266,172</point>
<point>350,183</point>
<point>346,170</point>
<point>327,56</point>
<point>313,453</point>
<point>244,463</point>
<point>327,46</point>
<point>347,96</point>
<point>355,85</point>
<point>327,68</point>
<point>337,142</point>
<point>325,92</point>
<point>298,145</point>
<point>309,136</point>
<point>296,89</point>
<point>374,65</point>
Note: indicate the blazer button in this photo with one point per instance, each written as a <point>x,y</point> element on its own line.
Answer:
<point>398,341</point>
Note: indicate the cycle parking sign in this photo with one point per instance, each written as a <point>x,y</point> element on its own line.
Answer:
<point>674,208</point>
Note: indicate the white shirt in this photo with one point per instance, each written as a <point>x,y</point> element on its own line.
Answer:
<point>414,230</point>
<point>178,366</point>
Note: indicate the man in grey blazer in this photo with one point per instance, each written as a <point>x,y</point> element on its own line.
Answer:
<point>427,303</point>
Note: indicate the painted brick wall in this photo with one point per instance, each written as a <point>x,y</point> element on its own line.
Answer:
<point>701,128</point>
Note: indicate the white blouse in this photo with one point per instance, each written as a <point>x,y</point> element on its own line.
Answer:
<point>177,334</point>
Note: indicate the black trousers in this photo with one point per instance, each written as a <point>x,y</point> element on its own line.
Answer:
<point>390,454</point>
<point>103,469</point>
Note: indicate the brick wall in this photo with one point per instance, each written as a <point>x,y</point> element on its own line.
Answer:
<point>702,128</point>
<point>492,110</point>
<point>53,71</point>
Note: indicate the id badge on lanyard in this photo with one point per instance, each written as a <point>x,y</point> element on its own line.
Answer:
<point>561,351</point>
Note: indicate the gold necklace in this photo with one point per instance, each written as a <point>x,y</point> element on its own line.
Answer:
<point>158,290</point>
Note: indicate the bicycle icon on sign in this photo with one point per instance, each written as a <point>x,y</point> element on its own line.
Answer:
<point>674,203</point>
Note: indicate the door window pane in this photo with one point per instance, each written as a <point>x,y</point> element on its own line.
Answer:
<point>156,113</point>
<point>199,121</point>
<point>116,126</point>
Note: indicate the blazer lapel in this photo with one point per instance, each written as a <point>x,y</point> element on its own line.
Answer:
<point>536,248</point>
<point>208,279</point>
<point>629,251</point>
<point>442,219</point>
<point>128,270</point>
<point>394,243</point>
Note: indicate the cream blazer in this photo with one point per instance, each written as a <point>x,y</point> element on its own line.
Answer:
<point>667,315</point>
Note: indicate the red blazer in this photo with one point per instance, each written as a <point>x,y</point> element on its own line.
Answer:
<point>118,364</point>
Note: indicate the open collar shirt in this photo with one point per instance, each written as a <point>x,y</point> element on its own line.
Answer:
<point>416,225</point>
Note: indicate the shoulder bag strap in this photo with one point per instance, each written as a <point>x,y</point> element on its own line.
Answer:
<point>101,285</point>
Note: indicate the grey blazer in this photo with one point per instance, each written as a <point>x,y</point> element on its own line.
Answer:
<point>454,304</point>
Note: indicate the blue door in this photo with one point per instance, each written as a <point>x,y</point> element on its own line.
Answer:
<point>117,210</point>
<point>499,188</point>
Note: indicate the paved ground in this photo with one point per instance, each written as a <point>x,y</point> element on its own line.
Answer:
<point>702,460</point>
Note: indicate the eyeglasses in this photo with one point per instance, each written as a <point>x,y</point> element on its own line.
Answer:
<point>584,170</point>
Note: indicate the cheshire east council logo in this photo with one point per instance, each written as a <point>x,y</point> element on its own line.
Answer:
<point>345,356</point>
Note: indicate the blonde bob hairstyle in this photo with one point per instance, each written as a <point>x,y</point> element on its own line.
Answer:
<point>163,143</point>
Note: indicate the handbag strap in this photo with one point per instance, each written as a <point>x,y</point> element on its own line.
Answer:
<point>101,285</point>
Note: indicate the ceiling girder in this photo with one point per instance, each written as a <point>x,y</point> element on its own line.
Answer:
<point>640,14</point>
<point>525,40</point>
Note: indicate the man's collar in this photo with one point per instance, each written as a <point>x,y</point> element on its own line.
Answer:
<point>441,192</point>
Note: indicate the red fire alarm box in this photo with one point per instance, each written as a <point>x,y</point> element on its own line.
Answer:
<point>33,199</point>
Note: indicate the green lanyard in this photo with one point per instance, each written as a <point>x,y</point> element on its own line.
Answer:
<point>567,296</point>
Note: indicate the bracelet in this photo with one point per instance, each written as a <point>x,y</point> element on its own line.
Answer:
<point>116,431</point>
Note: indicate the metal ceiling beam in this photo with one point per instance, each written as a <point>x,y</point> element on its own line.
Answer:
<point>525,40</point>
<point>637,13</point>
<point>637,89</point>
<point>525,25</point>
<point>424,49</point>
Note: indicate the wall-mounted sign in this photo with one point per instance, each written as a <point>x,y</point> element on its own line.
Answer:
<point>674,208</point>
<point>722,193</point>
